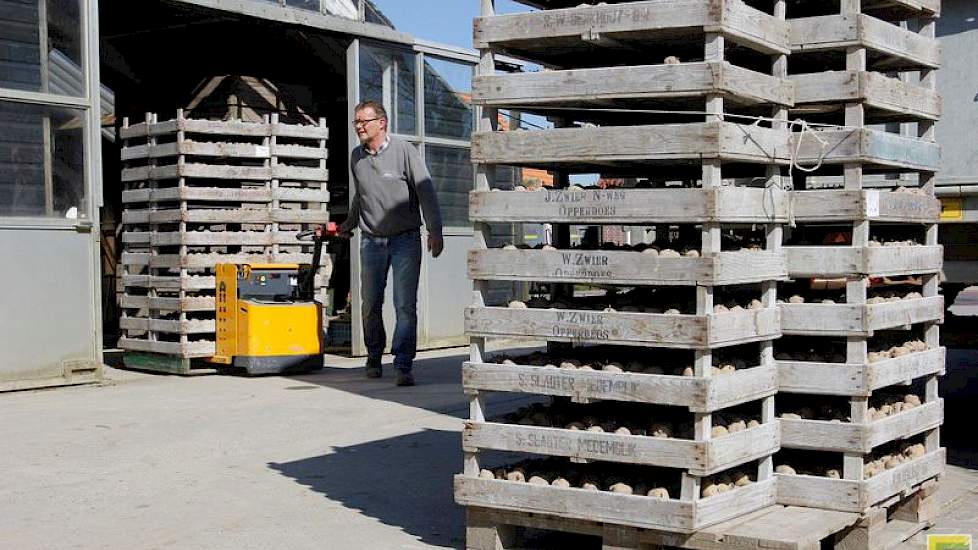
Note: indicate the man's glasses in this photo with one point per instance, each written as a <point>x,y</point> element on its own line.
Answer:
<point>364,122</point>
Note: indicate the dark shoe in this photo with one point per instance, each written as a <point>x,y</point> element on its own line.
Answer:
<point>374,369</point>
<point>405,378</point>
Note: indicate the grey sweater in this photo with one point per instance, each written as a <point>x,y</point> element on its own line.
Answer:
<point>388,189</point>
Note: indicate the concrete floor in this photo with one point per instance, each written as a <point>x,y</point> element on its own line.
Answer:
<point>329,460</point>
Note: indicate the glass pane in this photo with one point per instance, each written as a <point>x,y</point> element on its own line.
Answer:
<point>448,99</point>
<point>42,161</point>
<point>312,5</point>
<point>451,172</point>
<point>387,76</point>
<point>40,46</point>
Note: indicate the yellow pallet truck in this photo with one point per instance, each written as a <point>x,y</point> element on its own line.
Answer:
<point>268,321</point>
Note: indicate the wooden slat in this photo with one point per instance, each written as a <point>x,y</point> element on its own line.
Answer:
<point>858,319</point>
<point>857,205</point>
<point>211,238</point>
<point>820,435</point>
<point>838,32</point>
<point>621,267</point>
<point>198,326</point>
<point>539,31</point>
<point>188,350</point>
<point>196,148</point>
<point>699,394</point>
<point>630,329</point>
<point>664,142</point>
<point>726,204</point>
<point>223,216</point>
<point>700,457</point>
<point>875,90</point>
<point>299,131</point>
<point>217,194</point>
<point>209,260</point>
<point>205,303</point>
<point>847,260</point>
<point>855,379</point>
<point>188,283</point>
<point>224,128</point>
<point>250,173</point>
<point>586,87</point>
<point>857,496</point>
<point>865,146</point>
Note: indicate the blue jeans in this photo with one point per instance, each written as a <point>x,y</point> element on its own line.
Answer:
<point>378,255</point>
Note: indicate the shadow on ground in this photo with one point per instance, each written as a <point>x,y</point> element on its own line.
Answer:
<point>404,481</point>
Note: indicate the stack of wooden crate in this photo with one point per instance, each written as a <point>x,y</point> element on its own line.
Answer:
<point>861,358</point>
<point>663,341</point>
<point>199,193</point>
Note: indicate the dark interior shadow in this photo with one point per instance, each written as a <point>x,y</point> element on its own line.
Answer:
<point>405,481</point>
<point>959,388</point>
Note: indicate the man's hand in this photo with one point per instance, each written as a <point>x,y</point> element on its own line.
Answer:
<point>435,244</point>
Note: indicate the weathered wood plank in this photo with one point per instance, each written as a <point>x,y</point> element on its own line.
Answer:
<point>622,267</point>
<point>855,379</point>
<point>209,260</point>
<point>632,329</point>
<point>865,146</point>
<point>194,326</point>
<point>188,350</point>
<point>699,457</point>
<point>223,128</point>
<point>838,32</point>
<point>871,88</point>
<point>526,32</point>
<point>217,194</point>
<point>664,142</point>
<point>197,303</point>
<point>699,394</point>
<point>250,173</point>
<point>211,238</point>
<point>188,283</point>
<point>847,260</point>
<point>725,204</point>
<point>585,87</point>
<point>853,437</point>
<point>611,508</point>
<point>223,216</point>
<point>857,496</point>
<point>858,319</point>
<point>867,204</point>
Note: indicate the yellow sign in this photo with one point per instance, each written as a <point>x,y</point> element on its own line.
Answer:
<point>952,209</point>
<point>948,542</point>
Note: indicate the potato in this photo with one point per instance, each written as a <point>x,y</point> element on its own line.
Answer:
<point>785,469</point>
<point>672,311</point>
<point>669,253</point>
<point>596,429</point>
<point>720,308</point>
<point>718,431</point>
<point>516,475</point>
<point>688,371</point>
<point>790,416</point>
<point>560,482</point>
<point>912,399</point>
<point>724,487</point>
<point>516,304</point>
<point>915,451</point>
<point>752,424</point>
<point>833,473</point>
<point>828,301</point>
<point>589,486</point>
<point>891,462</point>
<point>509,247</point>
<point>671,60</point>
<point>651,251</point>
<point>612,367</point>
<point>692,253</point>
<point>537,480</point>
<point>623,431</point>
<point>486,474</point>
<point>710,489</point>
<point>737,426</point>
<point>742,480</point>
<point>660,430</point>
<point>659,492</point>
<point>609,310</point>
<point>755,304</point>
<point>585,367</point>
<point>796,299</point>
<point>621,488</point>
<point>576,426</point>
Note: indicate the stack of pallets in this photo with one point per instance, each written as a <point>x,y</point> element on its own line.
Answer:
<point>660,374</point>
<point>203,192</point>
<point>859,364</point>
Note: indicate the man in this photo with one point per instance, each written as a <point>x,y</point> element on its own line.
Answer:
<point>391,189</point>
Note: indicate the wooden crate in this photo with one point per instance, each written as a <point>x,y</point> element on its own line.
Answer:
<point>891,97</point>
<point>548,35</point>
<point>804,261</point>
<point>586,149</point>
<point>826,205</point>
<point>628,329</point>
<point>867,147</point>
<point>625,267</point>
<point>604,86</point>
<point>698,394</point>
<point>697,457</point>
<point>636,511</point>
<point>719,204</point>
<point>858,319</point>
<point>852,437</point>
<point>859,496</point>
<point>903,49</point>
<point>855,379</point>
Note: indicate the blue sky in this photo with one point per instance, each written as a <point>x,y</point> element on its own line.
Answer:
<point>447,21</point>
